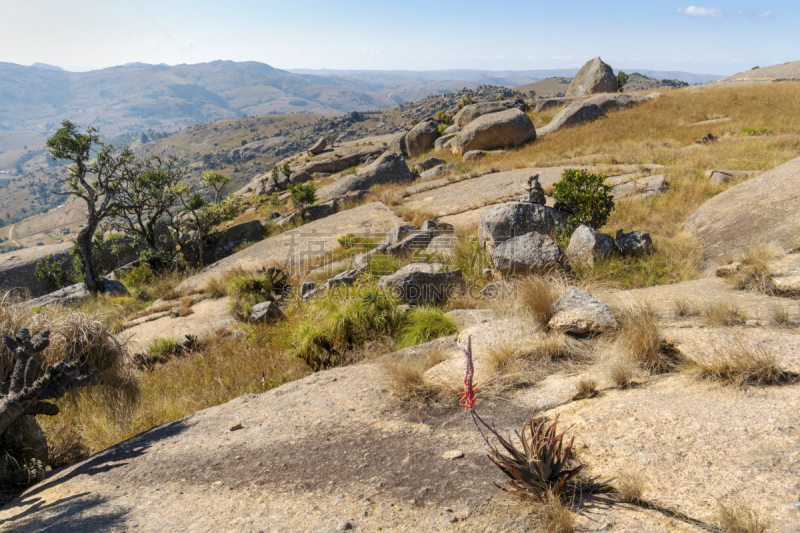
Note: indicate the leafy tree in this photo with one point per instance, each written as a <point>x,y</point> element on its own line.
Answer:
<point>197,222</point>
<point>443,118</point>
<point>50,270</point>
<point>145,200</point>
<point>143,138</point>
<point>96,180</point>
<point>586,195</point>
<point>216,181</point>
<point>622,80</point>
<point>303,195</point>
<point>286,170</point>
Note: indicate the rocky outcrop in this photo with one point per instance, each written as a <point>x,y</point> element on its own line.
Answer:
<point>646,187</point>
<point>429,163</point>
<point>763,209</point>
<point>593,78</point>
<point>309,214</point>
<point>76,293</point>
<point>634,244</point>
<point>580,313</point>
<point>319,146</point>
<point>398,233</point>
<point>587,244</point>
<point>420,140</point>
<point>341,159</point>
<point>506,129</point>
<point>398,144</point>
<point>300,177</point>
<point>433,173</point>
<point>256,149</point>
<point>420,285</point>
<point>574,114</point>
<point>617,102</point>
<point>445,141</point>
<point>502,222</point>
<point>220,244</point>
<point>469,113</point>
<point>532,252</point>
<point>724,176</point>
<point>391,167</point>
<point>539,106</point>
<point>265,312</point>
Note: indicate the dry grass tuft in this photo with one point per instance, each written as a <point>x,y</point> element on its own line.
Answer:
<point>65,446</point>
<point>587,388</point>
<point>533,297</point>
<point>685,308</point>
<point>623,372</point>
<point>631,484</point>
<point>781,317</point>
<point>723,313</point>
<point>548,513</point>
<point>404,375</point>
<point>754,272</point>
<point>738,517</point>
<point>639,339</point>
<point>741,364</point>
<point>416,217</point>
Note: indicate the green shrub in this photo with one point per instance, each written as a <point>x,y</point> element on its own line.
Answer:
<point>415,122</point>
<point>425,324</point>
<point>755,132</point>
<point>501,97</point>
<point>303,195</point>
<point>442,128</point>
<point>465,101</point>
<point>586,195</point>
<point>50,270</point>
<point>139,277</point>
<point>622,80</point>
<point>443,118</point>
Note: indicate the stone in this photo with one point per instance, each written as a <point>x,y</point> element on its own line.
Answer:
<point>414,242</point>
<point>307,288</point>
<point>474,155</point>
<point>469,113</point>
<point>255,149</point>
<point>265,312</point>
<point>76,293</point>
<point>438,228</point>
<point>532,252</point>
<point>434,172</point>
<point>763,209</point>
<point>398,233</point>
<point>343,158</point>
<point>506,129</point>
<point>422,287</point>
<point>300,177</point>
<point>616,101</point>
<point>429,163</point>
<point>344,526</point>
<point>724,176</point>
<point>319,146</point>
<point>534,193</point>
<point>580,313</point>
<point>635,243</point>
<point>442,244</point>
<point>646,187</point>
<point>452,454</point>
<point>455,128</point>
<point>502,222</point>
<point>398,144</point>
<point>593,78</point>
<point>587,244</point>
<point>545,104</point>
<point>421,138</point>
<point>443,141</point>
<point>391,167</point>
<point>574,114</point>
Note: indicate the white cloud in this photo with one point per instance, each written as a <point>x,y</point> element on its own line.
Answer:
<point>761,13</point>
<point>188,45</point>
<point>562,57</point>
<point>702,12</point>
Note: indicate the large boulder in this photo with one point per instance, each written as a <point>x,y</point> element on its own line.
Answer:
<point>502,222</point>
<point>220,244</point>
<point>342,159</point>
<point>617,102</point>
<point>469,113</point>
<point>398,233</point>
<point>255,149</point>
<point>588,244</point>
<point>497,130</point>
<point>532,252</point>
<point>319,146</point>
<point>764,209</point>
<point>391,167</point>
<point>76,293</point>
<point>578,312</point>
<point>574,114</point>
<point>420,140</point>
<point>420,286</point>
<point>429,163</point>
<point>593,78</point>
<point>300,177</point>
<point>443,142</point>
<point>635,243</point>
<point>398,144</point>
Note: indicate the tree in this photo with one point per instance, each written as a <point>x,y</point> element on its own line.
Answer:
<point>622,80</point>
<point>145,199</point>
<point>286,170</point>
<point>216,181</point>
<point>586,196</point>
<point>303,195</point>
<point>143,138</point>
<point>96,180</point>
<point>196,222</point>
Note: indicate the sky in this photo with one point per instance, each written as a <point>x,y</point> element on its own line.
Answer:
<point>719,37</point>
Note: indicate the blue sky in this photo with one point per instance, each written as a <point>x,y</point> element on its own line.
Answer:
<point>713,37</point>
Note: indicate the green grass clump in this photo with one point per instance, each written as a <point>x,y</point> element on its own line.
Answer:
<point>423,325</point>
<point>247,290</point>
<point>755,132</point>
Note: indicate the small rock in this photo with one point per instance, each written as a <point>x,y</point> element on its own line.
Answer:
<point>429,163</point>
<point>306,288</point>
<point>635,243</point>
<point>452,454</point>
<point>344,526</point>
<point>398,233</point>
<point>579,312</point>
<point>473,155</point>
<point>265,311</point>
<point>237,426</point>
<point>588,244</point>
<point>727,271</point>
<point>528,253</point>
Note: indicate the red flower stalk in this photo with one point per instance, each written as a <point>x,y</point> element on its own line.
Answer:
<point>468,396</point>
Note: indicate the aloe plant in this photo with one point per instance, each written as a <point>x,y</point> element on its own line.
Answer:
<point>542,462</point>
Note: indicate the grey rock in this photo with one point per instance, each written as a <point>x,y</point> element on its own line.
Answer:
<point>578,312</point>
<point>76,293</point>
<point>319,147</point>
<point>391,167</point>
<point>398,233</point>
<point>587,244</point>
<point>646,187</point>
<point>344,526</point>
<point>434,172</point>
<point>398,144</point>
<point>532,252</point>
<point>473,111</point>
<point>256,149</point>
<point>455,128</point>
<point>265,311</point>
<point>474,155</point>
<point>300,177</point>
<point>414,242</point>
<point>421,138</point>
<point>724,176</point>
<point>617,102</point>
<point>224,242</point>
<point>496,130</point>
<point>443,141</point>
<point>593,78</point>
<point>635,243</point>
<point>422,287</point>
<point>307,288</point>
<point>442,244</point>
<point>512,219</point>
<point>574,114</point>
<point>549,103</point>
<point>429,163</point>
<point>438,228</point>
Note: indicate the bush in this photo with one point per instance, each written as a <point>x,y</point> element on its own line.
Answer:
<point>422,325</point>
<point>50,270</point>
<point>465,101</point>
<point>586,195</point>
<point>443,118</point>
<point>303,195</point>
<point>755,132</point>
<point>442,128</point>
<point>622,80</point>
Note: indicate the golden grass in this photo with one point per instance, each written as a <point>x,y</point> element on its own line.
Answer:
<point>723,313</point>
<point>586,388</point>
<point>740,364</point>
<point>685,308</point>
<point>416,217</point>
<point>404,375</point>
<point>623,372</point>
<point>631,484</point>
<point>547,513</point>
<point>781,317</point>
<point>738,517</point>
<point>754,273</point>
<point>639,339</point>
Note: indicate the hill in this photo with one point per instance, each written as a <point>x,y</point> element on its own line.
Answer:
<point>785,72</point>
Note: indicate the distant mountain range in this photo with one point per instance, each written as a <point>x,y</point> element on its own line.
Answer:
<point>137,96</point>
